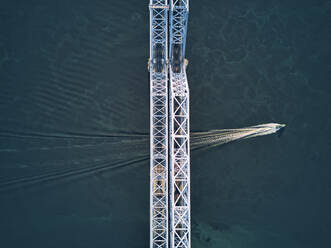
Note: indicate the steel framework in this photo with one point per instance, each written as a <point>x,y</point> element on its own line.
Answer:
<point>179,161</point>
<point>180,226</point>
<point>177,233</point>
<point>158,123</point>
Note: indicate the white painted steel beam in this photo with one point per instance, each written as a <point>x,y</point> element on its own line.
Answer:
<point>158,124</point>
<point>179,123</point>
<point>169,225</point>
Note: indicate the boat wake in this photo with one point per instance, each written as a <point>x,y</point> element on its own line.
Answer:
<point>58,157</point>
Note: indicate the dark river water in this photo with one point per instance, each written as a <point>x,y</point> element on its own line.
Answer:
<point>74,123</point>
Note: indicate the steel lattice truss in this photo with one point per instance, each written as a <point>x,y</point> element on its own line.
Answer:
<point>179,174</point>
<point>179,161</point>
<point>158,124</point>
<point>178,26</point>
<point>180,226</point>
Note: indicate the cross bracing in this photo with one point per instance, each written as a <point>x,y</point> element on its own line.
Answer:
<point>180,227</point>
<point>179,118</point>
<point>178,18</point>
<point>158,124</point>
<point>169,213</point>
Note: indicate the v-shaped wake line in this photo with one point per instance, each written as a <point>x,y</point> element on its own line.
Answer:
<point>222,136</point>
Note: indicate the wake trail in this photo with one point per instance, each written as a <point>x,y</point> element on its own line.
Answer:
<point>200,140</point>
<point>136,147</point>
<point>35,135</point>
<point>71,173</point>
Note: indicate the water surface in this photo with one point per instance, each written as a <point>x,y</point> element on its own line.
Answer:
<point>74,92</point>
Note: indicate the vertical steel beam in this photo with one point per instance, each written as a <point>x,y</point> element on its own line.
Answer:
<point>158,124</point>
<point>179,123</point>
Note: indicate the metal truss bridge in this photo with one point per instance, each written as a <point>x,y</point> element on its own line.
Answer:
<point>169,126</point>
